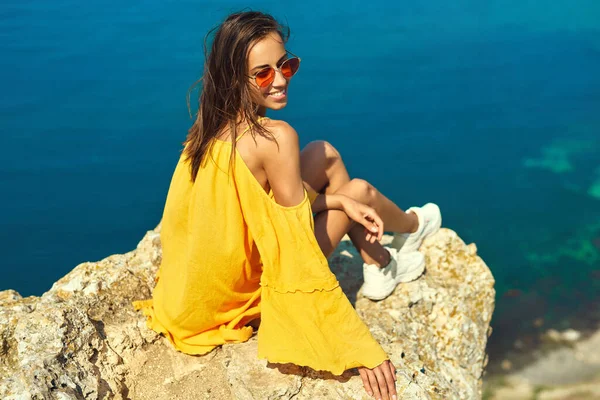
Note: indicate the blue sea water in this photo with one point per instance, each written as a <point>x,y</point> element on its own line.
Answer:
<point>491,109</point>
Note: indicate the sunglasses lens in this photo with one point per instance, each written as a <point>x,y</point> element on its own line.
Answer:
<point>290,66</point>
<point>265,77</point>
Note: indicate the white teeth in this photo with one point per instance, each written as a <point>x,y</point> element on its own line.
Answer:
<point>277,94</point>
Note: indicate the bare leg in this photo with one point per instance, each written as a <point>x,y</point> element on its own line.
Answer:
<point>324,172</point>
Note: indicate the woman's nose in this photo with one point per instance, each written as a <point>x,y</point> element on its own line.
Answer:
<point>279,80</point>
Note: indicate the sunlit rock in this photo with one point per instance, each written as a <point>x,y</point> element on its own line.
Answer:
<point>83,340</point>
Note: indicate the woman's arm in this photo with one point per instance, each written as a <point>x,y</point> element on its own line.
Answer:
<point>281,162</point>
<point>328,202</point>
<point>282,166</point>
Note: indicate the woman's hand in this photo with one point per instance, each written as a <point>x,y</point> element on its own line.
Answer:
<point>380,382</point>
<point>366,216</point>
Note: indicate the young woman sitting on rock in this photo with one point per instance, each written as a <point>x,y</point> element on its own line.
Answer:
<point>250,219</point>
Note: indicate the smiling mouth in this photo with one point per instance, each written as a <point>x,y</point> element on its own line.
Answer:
<point>278,95</point>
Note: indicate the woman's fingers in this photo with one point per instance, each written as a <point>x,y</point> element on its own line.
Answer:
<point>367,235</point>
<point>393,370</point>
<point>374,383</point>
<point>365,379</point>
<point>370,236</point>
<point>372,230</point>
<point>382,381</point>
<point>390,380</point>
<point>378,222</point>
<point>369,222</point>
<point>374,224</point>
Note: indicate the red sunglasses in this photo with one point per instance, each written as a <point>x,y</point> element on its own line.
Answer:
<point>288,68</point>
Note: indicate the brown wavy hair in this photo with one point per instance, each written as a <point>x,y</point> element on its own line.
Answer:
<point>225,98</point>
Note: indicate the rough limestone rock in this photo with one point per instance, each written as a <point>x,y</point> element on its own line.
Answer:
<point>83,340</point>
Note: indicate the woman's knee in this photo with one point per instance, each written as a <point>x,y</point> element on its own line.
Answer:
<point>321,166</point>
<point>360,190</point>
<point>324,150</point>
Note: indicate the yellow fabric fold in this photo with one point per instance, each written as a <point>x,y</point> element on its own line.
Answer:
<point>319,329</point>
<point>231,254</point>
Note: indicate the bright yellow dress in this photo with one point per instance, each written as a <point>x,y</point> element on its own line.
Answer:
<point>231,254</point>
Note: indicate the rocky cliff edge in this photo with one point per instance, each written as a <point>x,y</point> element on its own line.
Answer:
<point>83,340</point>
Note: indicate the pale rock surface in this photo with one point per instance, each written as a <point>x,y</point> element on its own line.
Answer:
<point>519,388</point>
<point>569,372</point>
<point>83,340</point>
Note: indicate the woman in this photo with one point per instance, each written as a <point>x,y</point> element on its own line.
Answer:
<point>239,238</point>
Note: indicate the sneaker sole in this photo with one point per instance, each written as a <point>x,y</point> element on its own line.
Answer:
<point>404,278</point>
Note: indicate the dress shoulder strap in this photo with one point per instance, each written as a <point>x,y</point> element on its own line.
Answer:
<point>248,128</point>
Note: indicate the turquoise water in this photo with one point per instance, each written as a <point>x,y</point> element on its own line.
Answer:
<point>491,109</point>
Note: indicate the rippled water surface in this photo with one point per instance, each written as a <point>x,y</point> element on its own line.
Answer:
<point>491,109</point>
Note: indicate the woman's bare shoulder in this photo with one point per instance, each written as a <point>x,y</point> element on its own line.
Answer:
<point>283,142</point>
<point>279,128</point>
<point>282,133</point>
<point>280,158</point>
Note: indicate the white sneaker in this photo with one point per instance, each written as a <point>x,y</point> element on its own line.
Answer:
<point>403,267</point>
<point>430,221</point>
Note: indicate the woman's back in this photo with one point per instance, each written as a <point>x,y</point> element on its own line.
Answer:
<point>255,149</point>
<point>210,261</point>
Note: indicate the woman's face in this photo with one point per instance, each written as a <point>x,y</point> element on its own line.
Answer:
<point>268,52</point>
